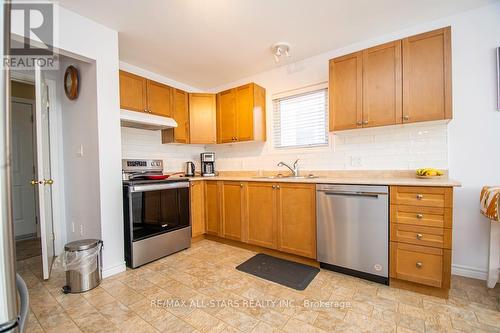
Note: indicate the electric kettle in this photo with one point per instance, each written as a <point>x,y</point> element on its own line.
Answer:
<point>189,169</point>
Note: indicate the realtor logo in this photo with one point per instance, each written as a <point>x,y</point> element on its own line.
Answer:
<point>32,36</point>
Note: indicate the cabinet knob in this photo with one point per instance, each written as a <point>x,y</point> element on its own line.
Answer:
<point>278,187</point>
<point>406,117</point>
<point>420,196</point>
<point>146,110</point>
<point>274,187</point>
<point>420,216</point>
<point>419,236</point>
<point>241,184</point>
<point>365,122</point>
<point>418,264</point>
<point>359,123</point>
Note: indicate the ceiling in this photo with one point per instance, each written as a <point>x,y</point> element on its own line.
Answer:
<point>207,43</point>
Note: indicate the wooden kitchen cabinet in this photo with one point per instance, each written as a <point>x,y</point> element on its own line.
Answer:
<point>427,76</point>
<point>213,208</point>
<point>382,85</point>
<point>159,97</point>
<point>180,113</point>
<point>197,194</point>
<point>202,118</point>
<point>345,92</point>
<point>143,95</point>
<point>132,92</point>
<point>233,210</point>
<point>403,81</point>
<point>297,219</point>
<point>241,114</point>
<point>421,235</point>
<point>261,211</point>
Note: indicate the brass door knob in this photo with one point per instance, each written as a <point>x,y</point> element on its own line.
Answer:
<point>420,236</point>
<point>48,182</point>
<point>418,264</point>
<point>34,182</point>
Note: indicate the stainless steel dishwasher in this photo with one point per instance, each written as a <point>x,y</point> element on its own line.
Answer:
<point>353,230</point>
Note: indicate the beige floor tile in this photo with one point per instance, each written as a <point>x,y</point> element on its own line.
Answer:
<point>237,319</point>
<point>294,325</point>
<point>95,323</point>
<point>203,321</point>
<point>265,328</point>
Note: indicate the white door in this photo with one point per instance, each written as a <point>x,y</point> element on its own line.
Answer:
<point>43,171</point>
<point>23,172</point>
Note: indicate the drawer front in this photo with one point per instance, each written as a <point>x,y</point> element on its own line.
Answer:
<point>421,216</point>
<point>417,264</point>
<point>425,236</point>
<point>421,196</point>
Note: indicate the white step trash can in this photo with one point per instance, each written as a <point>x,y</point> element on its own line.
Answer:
<point>83,265</point>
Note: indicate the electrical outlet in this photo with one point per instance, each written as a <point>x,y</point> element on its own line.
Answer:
<point>356,161</point>
<point>81,229</point>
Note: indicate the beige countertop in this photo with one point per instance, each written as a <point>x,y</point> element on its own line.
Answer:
<point>404,178</point>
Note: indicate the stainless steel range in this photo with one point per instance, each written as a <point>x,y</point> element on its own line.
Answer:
<point>156,212</point>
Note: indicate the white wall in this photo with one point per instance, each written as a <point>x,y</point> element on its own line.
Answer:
<point>470,140</point>
<point>137,143</point>
<point>81,181</point>
<point>81,37</point>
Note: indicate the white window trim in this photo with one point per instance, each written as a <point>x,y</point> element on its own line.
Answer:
<point>329,147</point>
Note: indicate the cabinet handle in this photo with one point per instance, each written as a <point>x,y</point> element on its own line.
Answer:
<point>359,123</point>
<point>235,138</point>
<point>420,216</point>
<point>241,184</point>
<point>420,196</point>
<point>419,236</point>
<point>418,264</point>
<point>274,187</point>
<point>406,118</point>
<point>146,110</point>
<point>278,187</point>
<point>365,122</point>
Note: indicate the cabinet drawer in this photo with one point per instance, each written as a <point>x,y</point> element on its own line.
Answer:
<point>426,236</point>
<point>417,264</point>
<point>422,196</point>
<point>421,216</point>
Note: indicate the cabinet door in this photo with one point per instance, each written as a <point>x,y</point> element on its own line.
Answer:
<point>197,194</point>
<point>382,85</point>
<point>132,92</point>
<point>159,99</point>
<point>261,204</point>
<point>244,112</point>
<point>297,219</point>
<point>226,116</point>
<point>181,116</point>
<point>212,208</point>
<point>345,91</point>
<point>202,113</point>
<point>232,210</point>
<point>427,76</point>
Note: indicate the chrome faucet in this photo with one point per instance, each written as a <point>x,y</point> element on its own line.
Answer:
<point>294,169</point>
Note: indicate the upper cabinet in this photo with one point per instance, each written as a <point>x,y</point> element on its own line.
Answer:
<point>398,82</point>
<point>143,95</point>
<point>132,92</point>
<point>427,76</point>
<point>241,114</point>
<point>180,113</point>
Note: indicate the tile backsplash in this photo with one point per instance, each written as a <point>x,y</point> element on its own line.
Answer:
<point>400,147</point>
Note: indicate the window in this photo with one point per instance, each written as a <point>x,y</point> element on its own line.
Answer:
<point>301,120</point>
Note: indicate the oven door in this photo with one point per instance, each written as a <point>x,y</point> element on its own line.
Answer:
<point>158,208</point>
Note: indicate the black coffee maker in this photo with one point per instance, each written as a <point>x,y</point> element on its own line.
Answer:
<point>207,164</point>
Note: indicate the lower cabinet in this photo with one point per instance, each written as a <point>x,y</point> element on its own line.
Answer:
<point>213,223</point>
<point>297,219</point>
<point>232,210</point>
<point>197,194</point>
<point>262,217</point>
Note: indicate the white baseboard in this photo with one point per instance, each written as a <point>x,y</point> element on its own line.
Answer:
<point>109,271</point>
<point>470,272</point>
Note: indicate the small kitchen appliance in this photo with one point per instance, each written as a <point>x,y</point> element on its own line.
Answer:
<point>207,164</point>
<point>156,212</point>
<point>190,169</point>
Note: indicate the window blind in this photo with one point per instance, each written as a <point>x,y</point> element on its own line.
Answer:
<point>301,120</point>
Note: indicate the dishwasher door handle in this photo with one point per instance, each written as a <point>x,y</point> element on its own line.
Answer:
<point>357,194</point>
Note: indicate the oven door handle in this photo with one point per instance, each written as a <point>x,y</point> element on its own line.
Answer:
<point>157,187</point>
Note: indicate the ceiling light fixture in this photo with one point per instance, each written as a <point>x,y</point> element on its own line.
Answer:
<point>280,49</point>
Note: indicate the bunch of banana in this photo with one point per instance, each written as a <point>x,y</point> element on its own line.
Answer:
<point>429,172</point>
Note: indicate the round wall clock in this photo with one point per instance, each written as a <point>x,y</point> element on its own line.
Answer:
<point>71,82</point>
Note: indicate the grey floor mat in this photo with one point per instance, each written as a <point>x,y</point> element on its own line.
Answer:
<point>287,273</point>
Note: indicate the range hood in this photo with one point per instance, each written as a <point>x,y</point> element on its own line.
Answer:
<point>145,121</point>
